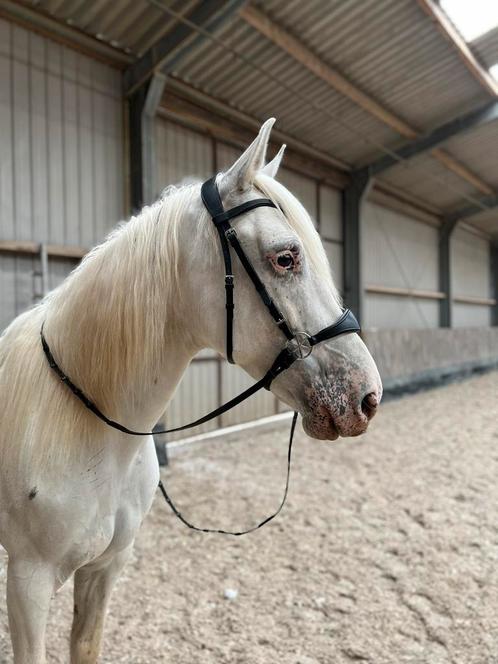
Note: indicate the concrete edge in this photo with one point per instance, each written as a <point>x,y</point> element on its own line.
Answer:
<point>436,377</point>
<point>393,388</point>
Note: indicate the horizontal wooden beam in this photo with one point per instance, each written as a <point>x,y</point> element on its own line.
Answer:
<point>433,139</point>
<point>295,48</point>
<point>305,56</point>
<point>451,34</point>
<point>470,299</point>
<point>204,101</point>
<point>34,248</point>
<point>197,110</point>
<point>461,170</point>
<point>404,292</point>
<point>184,113</point>
<point>47,26</point>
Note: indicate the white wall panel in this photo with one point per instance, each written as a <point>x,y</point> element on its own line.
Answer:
<point>331,231</point>
<point>470,270</point>
<point>196,395</point>
<point>234,381</point>
<point>226,155</point>
<point>471,315</point>
<point>470,261</point>
<point>397,312</point>
<point>334,253</point>
<point>7,289</point>
<point>401,252</point>
<point>54,112</point>
<point>397,250</point>
<point>61,155</point>
<point>303,188</point>
<point>182,155</point>
<point>330,213</point>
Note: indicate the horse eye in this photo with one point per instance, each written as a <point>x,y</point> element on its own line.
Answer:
<point>285,261</point>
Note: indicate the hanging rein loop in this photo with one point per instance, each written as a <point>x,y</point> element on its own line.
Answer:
<point>299,344</point>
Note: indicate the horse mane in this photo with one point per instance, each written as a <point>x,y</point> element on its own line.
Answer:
<point>101,329</point>
<point>106,332</point>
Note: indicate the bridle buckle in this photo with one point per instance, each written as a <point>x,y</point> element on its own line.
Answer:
<point>300,346</point>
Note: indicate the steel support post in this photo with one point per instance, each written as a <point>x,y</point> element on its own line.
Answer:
<point>352,199</point>
<point>494,282</point>
<point>446,304</point>
<point>143,105</point>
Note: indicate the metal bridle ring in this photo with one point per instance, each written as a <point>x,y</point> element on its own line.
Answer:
<point>300,345</point>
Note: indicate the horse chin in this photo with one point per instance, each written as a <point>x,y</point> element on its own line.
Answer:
<point>319,427</point>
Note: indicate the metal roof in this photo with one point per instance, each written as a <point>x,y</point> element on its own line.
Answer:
<point>486,47</point>
<point>389,49</point>
<point>430,181</point>
<point>130,25</point>
<point>486,221</point>
<point>478,150</point>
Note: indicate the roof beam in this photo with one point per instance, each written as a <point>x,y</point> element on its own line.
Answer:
<point>168,51</point>
<point>462,171</point>
<point>205,101</point>
<point>489,202</point>
<point>295,48</point>
<point>300,52</point>
<point>448,30</point>
<point>481,116</point>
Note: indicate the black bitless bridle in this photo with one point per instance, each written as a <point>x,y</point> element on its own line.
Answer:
<point>298,346</point>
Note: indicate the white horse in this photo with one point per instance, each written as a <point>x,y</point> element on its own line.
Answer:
<point>124,326</point>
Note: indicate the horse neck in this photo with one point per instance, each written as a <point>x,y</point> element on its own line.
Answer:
<point>116,326</point>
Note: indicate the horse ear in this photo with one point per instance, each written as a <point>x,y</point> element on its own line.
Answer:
<point>241,175</point>
<point>272,166</point>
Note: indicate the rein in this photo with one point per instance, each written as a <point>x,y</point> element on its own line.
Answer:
<point>298,347</point>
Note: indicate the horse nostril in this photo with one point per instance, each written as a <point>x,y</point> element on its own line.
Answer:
<point>369,404</point>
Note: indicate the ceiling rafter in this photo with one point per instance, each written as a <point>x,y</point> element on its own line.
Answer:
<point>169,50</point>
<point>301,53</point>
<point>490,202</point>
<point>451,34</point>
<point>433,139</point>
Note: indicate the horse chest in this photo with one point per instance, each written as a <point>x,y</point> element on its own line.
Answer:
<point>120,505</point>
<point>87,518</point>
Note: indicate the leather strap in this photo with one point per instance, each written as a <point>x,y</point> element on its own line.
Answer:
<point>238,533</point>
<point>287,356</point>
<point>346,323</point>
<point>221,218</point>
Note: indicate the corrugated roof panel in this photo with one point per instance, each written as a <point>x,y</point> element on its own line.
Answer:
<point>390,49</point>
<point>429,180</point>
<point>127,24</point>
<point>478,149</point>
<point>486,221</point>
<point>486,47</point>
<point>218,72</point>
